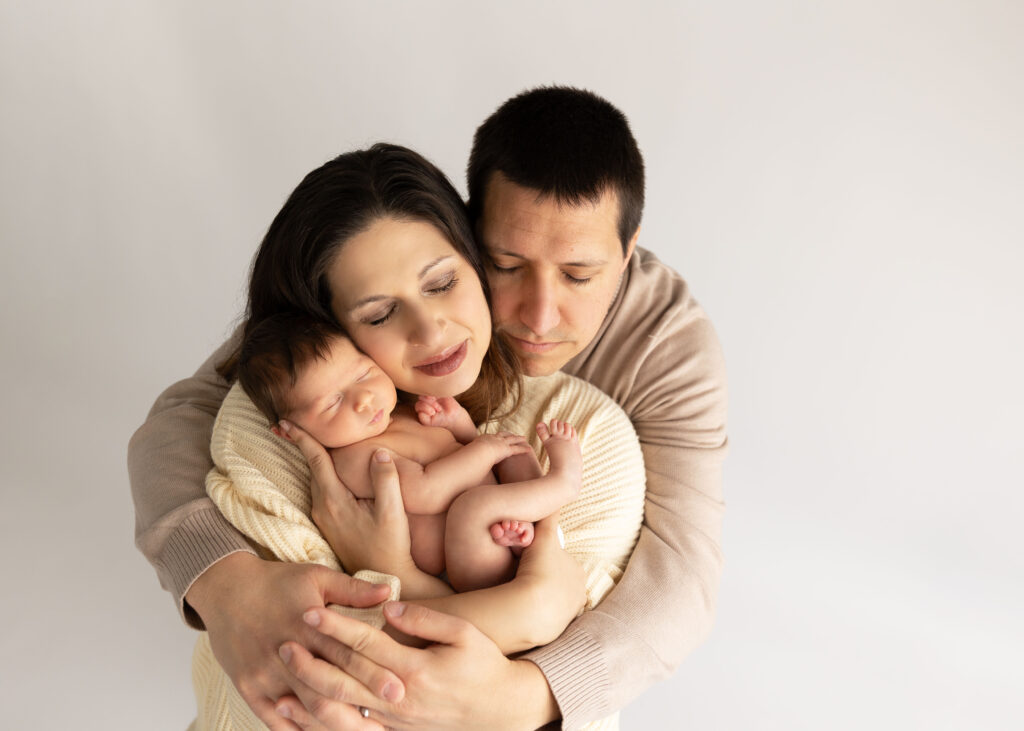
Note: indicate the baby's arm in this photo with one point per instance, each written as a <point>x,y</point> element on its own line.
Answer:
<point>448,413</point>
<point>430,489</point>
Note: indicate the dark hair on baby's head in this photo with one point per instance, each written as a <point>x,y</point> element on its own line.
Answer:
<point>274,351</point>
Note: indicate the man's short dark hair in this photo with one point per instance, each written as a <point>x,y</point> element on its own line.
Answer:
<point>562,142</point>
<point>274,350</point>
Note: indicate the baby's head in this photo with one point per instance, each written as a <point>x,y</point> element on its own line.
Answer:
<point>305,370</point>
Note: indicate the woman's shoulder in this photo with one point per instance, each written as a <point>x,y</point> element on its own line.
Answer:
<point>565,397</point>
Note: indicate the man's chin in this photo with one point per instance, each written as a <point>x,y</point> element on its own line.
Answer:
<point>539,365</point>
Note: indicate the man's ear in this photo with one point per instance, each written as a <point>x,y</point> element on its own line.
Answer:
<point>630,249</point>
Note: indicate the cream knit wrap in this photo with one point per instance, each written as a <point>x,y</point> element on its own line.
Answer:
<point>261,484</point>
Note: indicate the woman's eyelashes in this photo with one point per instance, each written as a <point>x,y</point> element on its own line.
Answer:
<point>378,318</point>
<point>441,286</point>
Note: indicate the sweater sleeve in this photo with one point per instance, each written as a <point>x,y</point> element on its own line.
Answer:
<point>177,527</point>
<point>673,388</point>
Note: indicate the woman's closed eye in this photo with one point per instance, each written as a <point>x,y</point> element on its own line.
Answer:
<point>445,284</point>
<point>378,318</point>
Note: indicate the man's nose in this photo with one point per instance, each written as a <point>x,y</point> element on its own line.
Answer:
<point>538,309</point>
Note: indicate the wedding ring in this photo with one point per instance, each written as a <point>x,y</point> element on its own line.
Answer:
<point>364,711</point>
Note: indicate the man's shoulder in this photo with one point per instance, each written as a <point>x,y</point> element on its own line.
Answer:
<point>655,304</point>
<point>656,343</point>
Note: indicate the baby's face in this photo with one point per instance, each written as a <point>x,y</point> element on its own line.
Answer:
<point>343,398</point>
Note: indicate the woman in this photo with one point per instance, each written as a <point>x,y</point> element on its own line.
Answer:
<point>378,241</point>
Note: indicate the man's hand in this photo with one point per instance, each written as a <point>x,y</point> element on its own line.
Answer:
<point>448,685</point>
<point>251,606</point>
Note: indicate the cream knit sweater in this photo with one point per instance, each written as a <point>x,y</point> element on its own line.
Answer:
<point>261,484</point>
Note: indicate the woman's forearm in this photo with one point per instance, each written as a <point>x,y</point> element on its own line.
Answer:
<point>510,614</point>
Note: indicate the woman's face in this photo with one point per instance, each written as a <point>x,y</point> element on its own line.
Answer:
<point>410,302</point>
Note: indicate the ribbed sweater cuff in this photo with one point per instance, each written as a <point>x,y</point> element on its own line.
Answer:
<point>576,671</point>
<point>202,539</point>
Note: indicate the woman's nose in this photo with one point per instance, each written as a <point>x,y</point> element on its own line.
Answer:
<point>428,328</point>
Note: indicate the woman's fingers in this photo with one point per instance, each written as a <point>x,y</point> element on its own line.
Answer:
<point>337,716</point>
<point>387,491</point>
<point>320,462</point>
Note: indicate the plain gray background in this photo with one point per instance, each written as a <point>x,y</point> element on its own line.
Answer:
<point>840,182</point>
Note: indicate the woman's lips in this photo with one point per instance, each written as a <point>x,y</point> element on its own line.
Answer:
<point>444,362</point>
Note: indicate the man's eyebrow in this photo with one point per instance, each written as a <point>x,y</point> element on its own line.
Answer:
<point>583,264</point>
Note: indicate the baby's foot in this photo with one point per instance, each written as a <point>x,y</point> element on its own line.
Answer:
<point>563,448</point>
<point>516,534</point>
<point>433,411</point>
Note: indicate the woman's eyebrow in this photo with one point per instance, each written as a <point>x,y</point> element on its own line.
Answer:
<point>366,301</point>
<point>434,263</point>
<point>423,272</point>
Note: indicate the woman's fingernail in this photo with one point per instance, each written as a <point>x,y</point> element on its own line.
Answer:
<point>382,455</point>
<point>285,426</point>
<point>285,652</point>
<point>394,609</point>
<point>389,692</point>
<point>311,618</point>
<point>284,711</point>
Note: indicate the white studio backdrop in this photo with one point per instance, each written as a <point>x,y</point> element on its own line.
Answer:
<point>841,183</point>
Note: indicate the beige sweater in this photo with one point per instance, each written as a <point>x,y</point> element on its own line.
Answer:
<point>657,355</point>
<point>261,484</point>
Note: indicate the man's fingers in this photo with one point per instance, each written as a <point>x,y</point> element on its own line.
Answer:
<point>323,682</point>
<point>372,644</point>
<point>427,624</point>
<point>267,713</point>
<point>351,656</point>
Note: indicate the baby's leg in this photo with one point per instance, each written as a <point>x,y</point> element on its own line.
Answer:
<point>473,558</point>
<point>426,534</point>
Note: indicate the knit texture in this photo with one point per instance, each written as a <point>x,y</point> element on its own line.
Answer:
<point>261,484</point>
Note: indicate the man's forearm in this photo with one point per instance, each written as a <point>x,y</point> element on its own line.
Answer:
<point>177,527</point>
<point>659,611</point>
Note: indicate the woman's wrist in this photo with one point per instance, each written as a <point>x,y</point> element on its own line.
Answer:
<point>417,584</point>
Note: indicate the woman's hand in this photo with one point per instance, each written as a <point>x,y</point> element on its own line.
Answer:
<point>448,685</point>
<point>555,579</point>
<point>364,534</point>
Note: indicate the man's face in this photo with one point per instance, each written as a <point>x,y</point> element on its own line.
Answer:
<point>553,269</point>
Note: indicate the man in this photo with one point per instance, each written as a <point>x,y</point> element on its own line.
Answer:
<point>556,193</point>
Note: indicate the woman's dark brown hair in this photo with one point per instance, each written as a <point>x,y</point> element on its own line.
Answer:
<point>343,198</point>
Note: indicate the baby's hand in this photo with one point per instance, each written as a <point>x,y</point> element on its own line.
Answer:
<point>442,412</point>
<point>505,444</point>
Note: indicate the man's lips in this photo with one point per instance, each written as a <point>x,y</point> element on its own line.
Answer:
<point>528,346</point>
<point>445,362</point>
